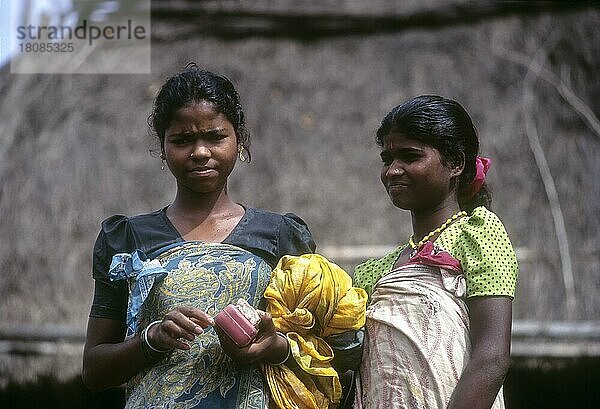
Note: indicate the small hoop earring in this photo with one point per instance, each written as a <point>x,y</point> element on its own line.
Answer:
<point>241,153</point>
<point>192,155</point>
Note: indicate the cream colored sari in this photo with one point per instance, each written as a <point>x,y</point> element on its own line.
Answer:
<point>417,342</point>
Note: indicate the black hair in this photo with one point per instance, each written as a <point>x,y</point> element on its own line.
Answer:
<point>193,85</point>
<point>444,125</point>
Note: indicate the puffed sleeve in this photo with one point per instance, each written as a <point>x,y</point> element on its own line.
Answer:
<point>367,274</point>
<point>486,255</point>
<point>110,298</point>
<point>294,237</point>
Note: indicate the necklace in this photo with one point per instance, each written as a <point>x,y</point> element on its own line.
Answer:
<point>447,223</point>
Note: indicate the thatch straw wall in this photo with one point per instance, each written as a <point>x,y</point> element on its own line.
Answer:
<point>74,149</point>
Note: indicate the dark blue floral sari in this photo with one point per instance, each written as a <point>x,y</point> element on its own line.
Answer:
<point>207,276</point>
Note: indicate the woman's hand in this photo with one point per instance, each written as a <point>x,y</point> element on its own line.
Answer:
<point>110,360</point>
<point>267,347</point>
<point>179,325</point>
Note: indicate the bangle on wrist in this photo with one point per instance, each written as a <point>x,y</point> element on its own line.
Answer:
<point>289,350</point>
<point>151,353</point>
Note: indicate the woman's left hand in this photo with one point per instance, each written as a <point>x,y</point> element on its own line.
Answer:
<point>267,347</point>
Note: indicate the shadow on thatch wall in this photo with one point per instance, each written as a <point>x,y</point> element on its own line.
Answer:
<point>74,149</point>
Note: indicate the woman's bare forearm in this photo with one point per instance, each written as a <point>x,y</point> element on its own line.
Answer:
<point>108,359</point>
<point>480,382</point>
<point>482,378</point>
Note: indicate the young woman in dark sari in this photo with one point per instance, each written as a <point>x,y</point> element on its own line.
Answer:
<point>161,277</point>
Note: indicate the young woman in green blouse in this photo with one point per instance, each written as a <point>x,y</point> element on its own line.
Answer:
<point>440,308</point>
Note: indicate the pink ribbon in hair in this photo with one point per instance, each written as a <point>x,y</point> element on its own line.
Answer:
<point>482,165</point>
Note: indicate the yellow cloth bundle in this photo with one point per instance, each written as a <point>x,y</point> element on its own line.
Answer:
<point>309,299</point>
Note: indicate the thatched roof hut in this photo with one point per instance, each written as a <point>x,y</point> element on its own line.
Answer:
<point>75,148</point>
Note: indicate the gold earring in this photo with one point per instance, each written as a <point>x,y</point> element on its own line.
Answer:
<point>241,153</point>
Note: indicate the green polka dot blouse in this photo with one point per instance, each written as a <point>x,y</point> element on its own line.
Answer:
<point>481,245</point>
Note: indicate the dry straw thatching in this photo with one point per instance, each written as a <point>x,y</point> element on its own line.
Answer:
<point>74,149</point>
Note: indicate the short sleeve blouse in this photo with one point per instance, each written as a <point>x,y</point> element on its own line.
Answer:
<point>266,234</point>
<point>479,242</point>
